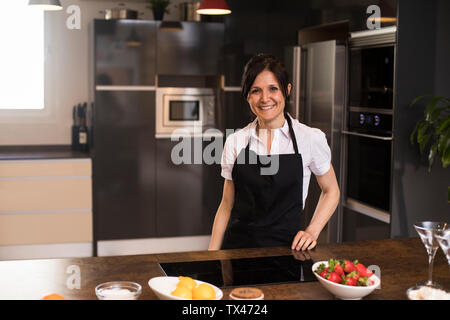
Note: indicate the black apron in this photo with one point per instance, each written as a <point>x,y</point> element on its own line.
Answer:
<point>267,208</point>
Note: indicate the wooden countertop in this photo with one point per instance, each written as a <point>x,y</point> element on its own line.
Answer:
<point>40,152</point>
<point>403,263</point>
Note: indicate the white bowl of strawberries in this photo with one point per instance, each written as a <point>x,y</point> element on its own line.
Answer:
<point>346,279</point>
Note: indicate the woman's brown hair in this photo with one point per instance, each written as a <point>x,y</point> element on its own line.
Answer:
<point>259,63</point>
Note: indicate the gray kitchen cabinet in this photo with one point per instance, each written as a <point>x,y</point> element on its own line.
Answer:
<point>125,52</point>
<point>124,165</point>
<point>187,195</point>
<point>195,50</point>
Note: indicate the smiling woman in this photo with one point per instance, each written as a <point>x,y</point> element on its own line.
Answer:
<point>261,208</point>
<point>22,57</point>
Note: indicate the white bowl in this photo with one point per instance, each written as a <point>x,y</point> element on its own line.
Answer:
<point>163,286</point>
<point>345,292</point>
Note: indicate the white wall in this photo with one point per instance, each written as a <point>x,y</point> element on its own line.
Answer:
<point>67,68</point>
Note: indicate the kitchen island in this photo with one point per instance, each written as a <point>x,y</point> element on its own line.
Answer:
<point>403,263</point>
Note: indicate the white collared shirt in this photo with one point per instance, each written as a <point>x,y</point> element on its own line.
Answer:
<point>312,145</point>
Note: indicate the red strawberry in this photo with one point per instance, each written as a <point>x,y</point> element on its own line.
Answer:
<point>353,275</point>
<point>339,270</point>
<point>334,277</point>
<point>362,270</point>
<point>349,281</point>
<point>349,266</point>
<point>324,274</point>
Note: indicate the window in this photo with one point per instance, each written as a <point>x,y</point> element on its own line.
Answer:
<point>21,56</point>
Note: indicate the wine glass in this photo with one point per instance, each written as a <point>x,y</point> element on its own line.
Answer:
<point>427,231</point>
<point>443,238</point>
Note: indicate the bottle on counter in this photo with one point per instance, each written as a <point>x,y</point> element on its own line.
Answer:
<point>80,132</point>
<point>75,129</point>
<point>83,130</point>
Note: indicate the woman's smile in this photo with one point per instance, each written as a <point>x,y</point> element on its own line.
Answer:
<point>265,108</point>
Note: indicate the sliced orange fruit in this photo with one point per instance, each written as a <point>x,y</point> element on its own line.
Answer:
<point>182,292</point>
<point>203,292</point>
<point>53,296</point>
<point>187,282</point>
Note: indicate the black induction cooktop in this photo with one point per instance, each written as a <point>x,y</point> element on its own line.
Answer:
<point>244,271</point>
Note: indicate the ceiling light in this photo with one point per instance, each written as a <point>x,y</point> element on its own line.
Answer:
<point>213,7</point>
<point>50,5</point>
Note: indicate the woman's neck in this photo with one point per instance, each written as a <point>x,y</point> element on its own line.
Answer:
<point>274,124</point>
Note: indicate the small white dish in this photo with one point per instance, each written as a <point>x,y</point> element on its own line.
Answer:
<point>118,290</point>
<point>345,292</point>
<point>163,286</point>
<point>427,292</point>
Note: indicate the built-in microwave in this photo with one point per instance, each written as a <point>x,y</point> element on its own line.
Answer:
<point>184,110</point>
<point>371,68</point>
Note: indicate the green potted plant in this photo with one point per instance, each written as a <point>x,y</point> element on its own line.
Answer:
<point>159,8</point>
<point>432,132</point>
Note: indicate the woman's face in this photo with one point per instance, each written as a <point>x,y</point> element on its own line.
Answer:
<point>266,98</point>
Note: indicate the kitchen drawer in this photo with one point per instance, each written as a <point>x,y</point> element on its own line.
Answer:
<point>47,194</point>
<point>34,228</point>
<point>44,203</point>
<point>45,168</point>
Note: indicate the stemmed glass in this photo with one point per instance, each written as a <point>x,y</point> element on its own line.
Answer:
<point>427,231</point>
<point>443,238</point>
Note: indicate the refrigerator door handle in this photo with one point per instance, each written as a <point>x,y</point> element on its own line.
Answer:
<point>297,80</point>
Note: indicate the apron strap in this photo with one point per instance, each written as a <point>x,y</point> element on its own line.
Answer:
<point>291,131</point>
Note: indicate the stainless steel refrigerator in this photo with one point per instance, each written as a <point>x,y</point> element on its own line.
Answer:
<point>318,72</point>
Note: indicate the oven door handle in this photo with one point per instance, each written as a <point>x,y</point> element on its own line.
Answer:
<point>367,210</point>
<point>366,135</point>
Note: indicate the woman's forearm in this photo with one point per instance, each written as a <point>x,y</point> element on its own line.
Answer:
<point>219,227</point>
<point>325,208</point>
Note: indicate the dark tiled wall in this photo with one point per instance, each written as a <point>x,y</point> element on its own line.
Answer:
<point>269,26</point>
<point>423,67</point>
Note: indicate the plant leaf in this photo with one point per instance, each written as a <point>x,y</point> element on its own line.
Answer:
<point>443,125</point>
<point>414,132</point>
<point>424,142</point>
<point>435,114</point>
<point>444,148</point>
<point>444,141</point>
<point>422,136</point>
<point>431,109</point>
<point>420,98</point>
<point>431,156</point>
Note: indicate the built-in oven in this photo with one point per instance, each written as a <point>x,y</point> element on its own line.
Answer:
<point>188,110</point>
<point>368,136</point>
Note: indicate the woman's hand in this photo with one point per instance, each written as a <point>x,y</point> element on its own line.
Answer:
<point>304,240</point>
